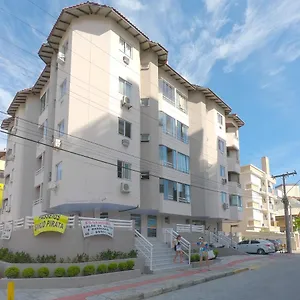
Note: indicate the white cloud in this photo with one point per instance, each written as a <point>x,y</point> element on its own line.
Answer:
<point>5,99</point>
<point>134,5</point>
<point>274,72</point>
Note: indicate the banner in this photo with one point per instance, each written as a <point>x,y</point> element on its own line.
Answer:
<point>1,194</point>
<point>6,232</point>
<point>97,227</point>
<point>49,223</point>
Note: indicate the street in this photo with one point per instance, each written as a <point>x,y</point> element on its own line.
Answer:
<point>276,279</point>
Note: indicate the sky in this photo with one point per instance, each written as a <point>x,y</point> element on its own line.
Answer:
<point>246,51</point>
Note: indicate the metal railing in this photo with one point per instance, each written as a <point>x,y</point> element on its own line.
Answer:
<point>145,248</point>
<point>189,228</point>
<point>170,235</point>
<point>221,239</point>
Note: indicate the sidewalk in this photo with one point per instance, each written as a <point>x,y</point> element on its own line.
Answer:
<point>146,286</point>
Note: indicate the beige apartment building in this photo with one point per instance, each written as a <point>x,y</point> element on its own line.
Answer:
<point>259,197</point>
<point>112,130</point>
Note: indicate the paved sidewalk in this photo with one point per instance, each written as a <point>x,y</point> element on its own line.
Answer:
<point>148,285</point>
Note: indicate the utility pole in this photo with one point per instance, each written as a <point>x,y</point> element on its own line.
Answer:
<point>285,201</point>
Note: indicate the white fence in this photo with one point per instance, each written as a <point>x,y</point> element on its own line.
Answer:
<point>189,228</point>
<point>27,222</point>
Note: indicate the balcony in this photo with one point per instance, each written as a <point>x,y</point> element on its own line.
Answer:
<point>232,141</point>
<point>233,165</point>
<point>234,187</point>
<point>40,148</point>
<point>39,177</point>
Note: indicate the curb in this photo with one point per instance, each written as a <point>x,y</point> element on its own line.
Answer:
<point>175,287</point>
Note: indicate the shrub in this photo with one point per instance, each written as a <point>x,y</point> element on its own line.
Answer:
<point>102,269</point>
<point>59,272</point>
<point>73,271</point>
<point>130,264</point>
<point>195,257</point>
<point>216,253</point>
<point>122,266</point>
<point>12,272</point>
<point>43,272</point>
<point>89,270</point>
<point>28,273</point>
<point>113,267</point>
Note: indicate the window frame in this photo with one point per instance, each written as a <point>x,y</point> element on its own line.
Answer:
<point>124,47</point>
<point>223,197</point>
<point>58,172</point>
<point>171,100</point>
<point>125,84</point>
<point>222,171</point>
<point>44,99</point>
<point>63,88</point>
<point>60,134</point>
<point>221,148</point>
<point>220,119</point>
<point>125,124</point>
<point>122,168</point>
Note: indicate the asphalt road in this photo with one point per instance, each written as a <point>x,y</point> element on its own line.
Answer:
<point>276,280</point>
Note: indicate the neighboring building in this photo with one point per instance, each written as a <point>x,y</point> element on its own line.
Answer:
<point>259,198</point>
<point>107,83</point>
<point>292,190</point>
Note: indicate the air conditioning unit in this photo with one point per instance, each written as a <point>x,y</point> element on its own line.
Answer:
<point>125,187</point>
<point>125,142</point>
<point>126,102</point>
<point>57,143</point>
<point>52,185</point>
<point>61,58</point>
<point>145,175</point>
<point>224,180</point>
<point>126,60</point>
<point>225,206</point>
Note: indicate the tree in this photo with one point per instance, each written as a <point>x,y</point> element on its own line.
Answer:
<point>296,223</point>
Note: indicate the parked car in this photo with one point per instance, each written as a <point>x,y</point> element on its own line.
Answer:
<point>256,246</point>
<point>277,243</point>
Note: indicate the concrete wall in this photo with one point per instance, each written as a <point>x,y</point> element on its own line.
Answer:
<point>68,244</point>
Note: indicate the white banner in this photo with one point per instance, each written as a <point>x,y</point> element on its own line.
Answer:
<point>6,232</point>
<point>97,227</point>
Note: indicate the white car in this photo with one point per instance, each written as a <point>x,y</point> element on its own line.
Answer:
<point>256,246</point>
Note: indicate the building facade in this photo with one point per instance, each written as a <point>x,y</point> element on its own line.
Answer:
<point>260,198</point>
<point>110,129</point>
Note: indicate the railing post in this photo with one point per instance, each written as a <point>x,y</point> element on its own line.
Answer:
<point>151,257</point>
<point>189,254</point>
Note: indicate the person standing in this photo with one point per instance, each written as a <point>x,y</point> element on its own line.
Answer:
<point>178,249</point>
<point>203,251</point>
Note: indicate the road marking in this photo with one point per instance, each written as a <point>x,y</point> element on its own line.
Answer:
<point>254,267</point>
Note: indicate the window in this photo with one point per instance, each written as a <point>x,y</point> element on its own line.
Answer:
<point>44,101</point>
<point>169,189</point>
<point>45,129</point>
<point>181,102</point>
<point>65,47</point>
<point>222,171</point>
<point>59,171</point>
<point>183,163</point>
<point>167,156</point>
<point>61,128</point>
<point>63,88</point>
<point>236,200</point>
<point>125,48</point>
<point>184,193</point>
<point>145,102</point>
<point>254,242</point>
<point>145,137</point>
<point>244,242</point>
<point>168,91</point>
<point>125,87</point>
<point>220,119</point>
<point>168,124</point>
<point>182,132</point>
<point>223,197</point>
<point>124,170</point>
<point>221,145</point>
<point>124,128</point>
<point>104,215</point>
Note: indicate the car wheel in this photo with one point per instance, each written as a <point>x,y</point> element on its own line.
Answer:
<point>261,251</point>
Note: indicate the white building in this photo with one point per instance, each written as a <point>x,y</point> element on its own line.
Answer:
<point>127,135</point>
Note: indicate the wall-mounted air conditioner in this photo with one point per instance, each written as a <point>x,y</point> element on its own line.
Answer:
<point>126,60</point>
<point>126,102</point>
<point>57,143</point>
<point>145,175</point>
<point>52,186</point>
<point>224,180</point>
<point>225,206</point>
<point>125,142</point>
<point>125,187</point>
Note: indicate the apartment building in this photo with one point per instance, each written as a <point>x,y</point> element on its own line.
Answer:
<point>260,198</point>
<point>120,133</point>
<point>2,167</point>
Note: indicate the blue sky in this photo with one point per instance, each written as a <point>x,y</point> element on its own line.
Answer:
<point>247,51</point>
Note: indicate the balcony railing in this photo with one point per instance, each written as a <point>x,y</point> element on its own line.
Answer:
<point>39,171</point>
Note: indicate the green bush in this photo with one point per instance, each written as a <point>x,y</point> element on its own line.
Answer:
<point>43,272</point>
<point>195,257</point>
<point>122,266</point>
<point>12,272</point>
<point>102,269</point>
<point>59,272</point>
<point>112,267</point>
<point>89,270</point>
<point>28,273</point>
<point>73,271</point>
<point>216,253</point>
<point>130,264</point>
